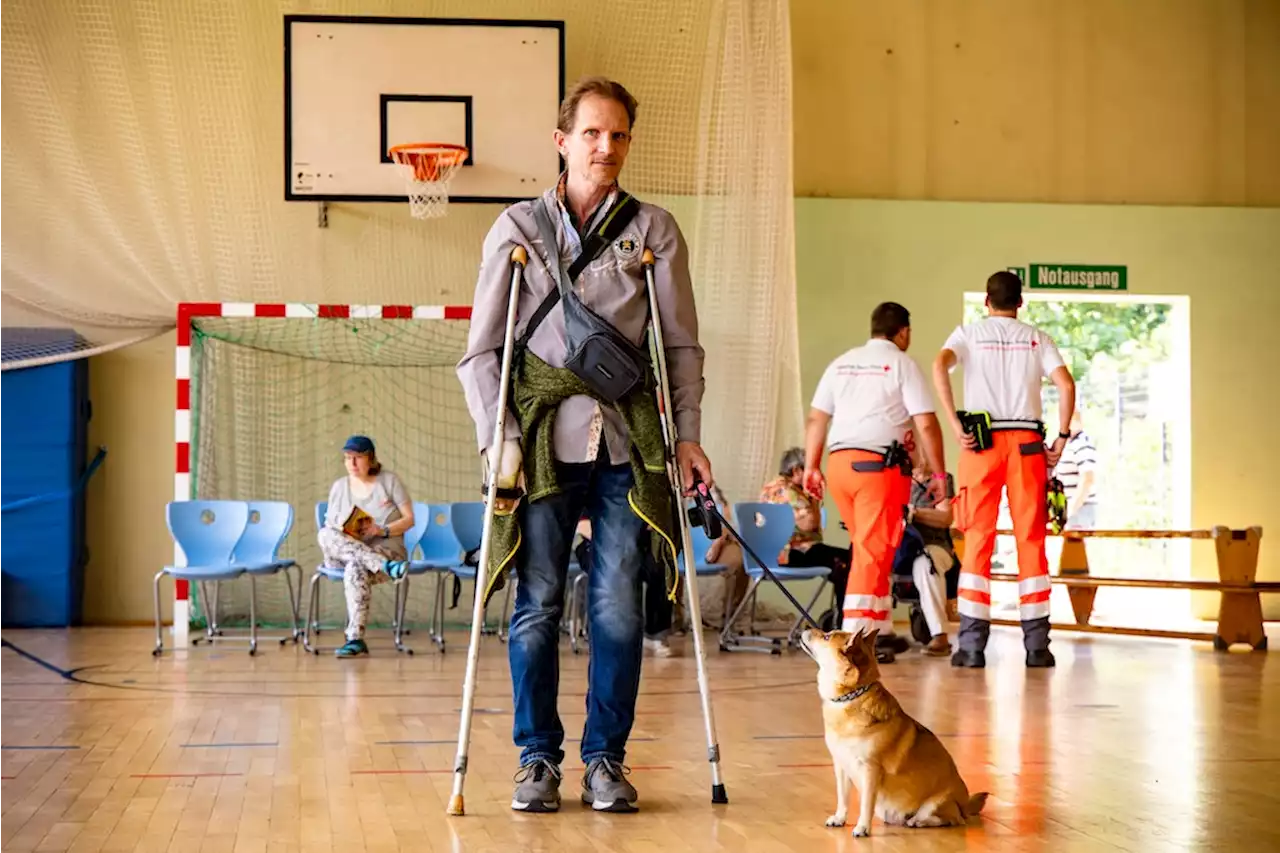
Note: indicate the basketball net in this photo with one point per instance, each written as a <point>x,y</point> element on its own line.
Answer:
<point>428,169</point>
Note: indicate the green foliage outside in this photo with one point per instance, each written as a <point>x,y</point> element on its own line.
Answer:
<point>1124,333</point>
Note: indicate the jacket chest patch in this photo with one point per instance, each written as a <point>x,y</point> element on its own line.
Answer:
<point>626,247</point>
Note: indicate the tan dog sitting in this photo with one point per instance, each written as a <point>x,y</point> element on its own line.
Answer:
<point>904,773</point>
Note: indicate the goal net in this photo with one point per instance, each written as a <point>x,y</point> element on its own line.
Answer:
<point>113,217</point>
<point>273,399</point>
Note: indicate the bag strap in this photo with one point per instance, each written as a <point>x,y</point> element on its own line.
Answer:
<point>624,210</point>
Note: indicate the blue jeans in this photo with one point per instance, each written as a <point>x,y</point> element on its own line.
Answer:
<point>614,613</point>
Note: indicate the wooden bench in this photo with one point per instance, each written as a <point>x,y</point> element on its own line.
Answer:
<point>1239,612</point>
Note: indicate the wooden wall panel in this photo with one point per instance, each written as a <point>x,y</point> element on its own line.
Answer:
<point>1172,102</point>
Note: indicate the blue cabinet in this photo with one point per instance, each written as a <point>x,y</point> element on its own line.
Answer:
<point>44,434</point>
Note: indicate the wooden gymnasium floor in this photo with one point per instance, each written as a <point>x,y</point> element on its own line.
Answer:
<point>1129,744</point>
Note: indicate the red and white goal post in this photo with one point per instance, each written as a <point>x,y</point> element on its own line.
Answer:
<point>266,393</point>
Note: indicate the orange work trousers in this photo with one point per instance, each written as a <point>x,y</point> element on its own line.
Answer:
<point>872,506</point>
<point>1016,461</point>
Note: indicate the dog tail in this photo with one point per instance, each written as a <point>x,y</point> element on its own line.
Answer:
<point>975,804</point>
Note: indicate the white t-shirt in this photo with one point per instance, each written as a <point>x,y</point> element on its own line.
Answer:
<point>1004,360</point>
<point>871,393</point>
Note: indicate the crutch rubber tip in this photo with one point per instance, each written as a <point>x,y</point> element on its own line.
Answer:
<point>647,258</point>
<point>718,794</point>
<point>519,255</point>
<point>455,805</point>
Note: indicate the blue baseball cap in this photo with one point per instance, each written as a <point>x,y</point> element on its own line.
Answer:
<point>359,444</point>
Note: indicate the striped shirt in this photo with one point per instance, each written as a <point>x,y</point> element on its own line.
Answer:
<point>1078,457</point>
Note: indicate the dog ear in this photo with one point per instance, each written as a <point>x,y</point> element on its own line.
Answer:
<point>870,639</point>
<point>852,644</point>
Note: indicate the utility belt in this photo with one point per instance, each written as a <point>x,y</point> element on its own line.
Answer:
<point>895,456</point>
<point>980,425</point>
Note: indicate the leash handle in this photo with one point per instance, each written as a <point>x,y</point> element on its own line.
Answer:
<point>704,514</point>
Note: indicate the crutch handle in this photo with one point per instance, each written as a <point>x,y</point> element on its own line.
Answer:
<point>519,256</point>
<point>646,258</point>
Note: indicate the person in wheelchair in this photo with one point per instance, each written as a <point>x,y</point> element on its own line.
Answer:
<point>926,570</point>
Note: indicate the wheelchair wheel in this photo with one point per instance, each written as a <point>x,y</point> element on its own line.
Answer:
<point>919,625</point>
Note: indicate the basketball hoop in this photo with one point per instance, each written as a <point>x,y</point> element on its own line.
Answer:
<point>428,169</point>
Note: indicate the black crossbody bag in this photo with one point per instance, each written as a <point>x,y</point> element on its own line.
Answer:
<point>596,352</point>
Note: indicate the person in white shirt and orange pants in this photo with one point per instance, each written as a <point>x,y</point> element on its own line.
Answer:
<point>869,398</point>
<point>1004,360</point>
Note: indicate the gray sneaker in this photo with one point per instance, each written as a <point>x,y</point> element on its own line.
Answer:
<point>605,788</point>
<point>538,789</point>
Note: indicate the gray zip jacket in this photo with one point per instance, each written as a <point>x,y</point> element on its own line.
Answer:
<point>614,287</point>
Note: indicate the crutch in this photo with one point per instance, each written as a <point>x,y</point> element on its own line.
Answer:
<point>669,439</point>
<point>519,257</point>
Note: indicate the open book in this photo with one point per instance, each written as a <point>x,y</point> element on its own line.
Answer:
<point>358,524</point>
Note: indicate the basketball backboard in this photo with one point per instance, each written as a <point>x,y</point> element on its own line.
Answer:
<point>355,86</point>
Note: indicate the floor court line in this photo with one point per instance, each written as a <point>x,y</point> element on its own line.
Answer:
<point>412,742</point>
<point>180,775</point>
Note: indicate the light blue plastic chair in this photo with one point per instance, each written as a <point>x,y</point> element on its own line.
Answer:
<point>207,532</point>
<point>259,551</point>
<point>468,528</point>
<point>766,528</point>
<point>438,553</point>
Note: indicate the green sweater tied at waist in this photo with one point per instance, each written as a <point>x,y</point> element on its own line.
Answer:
<point>537,389</point>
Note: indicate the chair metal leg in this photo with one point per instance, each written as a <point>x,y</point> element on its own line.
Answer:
<point>577,611</point>
<point>432,627</point>
<point>205,601</point>
<point>159,649</point>
<point>313,614</point>
<point>728,602</point>
<point>566,615</point>
<point>293,606</point>
<point>315,626</point>
<point>437,610</point>
<point>571,614</point>
<point>444,604</point>
<point>398,607</point>
<point>504,627</point>
<point>217,600</point>
<point>253,615</point>
<point>731,641</point>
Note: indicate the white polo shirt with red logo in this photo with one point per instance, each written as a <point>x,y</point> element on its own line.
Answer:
<point>871,393</point>
<point>1005,361</point>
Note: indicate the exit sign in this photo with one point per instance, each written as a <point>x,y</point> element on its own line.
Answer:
<point>1073,277</point>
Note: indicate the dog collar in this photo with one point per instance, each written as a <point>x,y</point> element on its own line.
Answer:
<point>854,694</point>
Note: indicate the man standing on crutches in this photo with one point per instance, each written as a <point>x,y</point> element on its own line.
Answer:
<point>574,274</point>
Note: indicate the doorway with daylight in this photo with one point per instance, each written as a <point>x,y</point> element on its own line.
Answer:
<point>1130,356</point>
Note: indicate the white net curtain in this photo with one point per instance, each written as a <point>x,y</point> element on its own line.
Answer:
<point>142,157</point>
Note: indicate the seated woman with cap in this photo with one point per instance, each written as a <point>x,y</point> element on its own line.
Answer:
<point>369,547</point>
